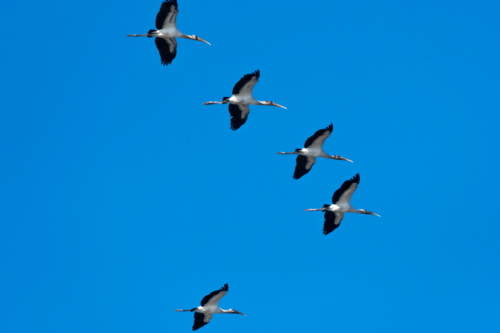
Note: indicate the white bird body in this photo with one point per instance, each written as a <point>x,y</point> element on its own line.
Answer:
<point>342,207</point>
<point>170,31</point>
<point>242,99</point>
<point>314,152</point>
<point>209,309</point>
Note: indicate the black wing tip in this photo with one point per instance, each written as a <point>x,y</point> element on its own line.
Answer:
<point>249,76</point>
<point>300,173</point>
<point>330,127</point>
<point>326,232</point>
<point>355,179</point>
<point>225,287</point>
<point>234,127</point>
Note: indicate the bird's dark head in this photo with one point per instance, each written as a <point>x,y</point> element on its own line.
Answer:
<point>364,211</point>
<point>236,312</point>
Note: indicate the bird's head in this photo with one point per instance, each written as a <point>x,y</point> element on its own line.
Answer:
<point>337,157</point>
<point>364,211</point>
<point>234,311</point>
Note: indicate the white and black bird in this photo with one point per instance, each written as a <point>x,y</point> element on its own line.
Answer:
<point>241,99</point>
<point>313,148</point>
<point>167,32</point>
<point>209,306</point>
<point>341,204</point>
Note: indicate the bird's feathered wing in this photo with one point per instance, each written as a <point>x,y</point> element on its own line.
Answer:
<point>317,139</point>
<point>167,48</point>
<point>201,319</point>
<point>167,14</point>
<point>214,297</point>
<point>239,115</point>
<point>246,83</point>
<point>332,221</point>
<point>303,165</point>
<point>344,193</point>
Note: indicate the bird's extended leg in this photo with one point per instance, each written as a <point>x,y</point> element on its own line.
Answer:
<point>134,35</point>
<point>211,103</point>
<point>283,153</point>
<point>191,310</point>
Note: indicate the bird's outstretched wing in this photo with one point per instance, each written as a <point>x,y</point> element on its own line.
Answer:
<point>167,48</point>
<point>239,115</point>
<point>167,14</point>
<point>214,297</point>
<point>246,84</point>
<point>344,193</point>
<point>201,319</point>
<point>332,221</point>
<point>303,165</point>
<point>317,139</point>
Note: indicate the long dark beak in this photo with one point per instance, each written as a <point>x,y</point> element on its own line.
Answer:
<point>241,313</point>
<point>280,106</point>
<point>204,41</point>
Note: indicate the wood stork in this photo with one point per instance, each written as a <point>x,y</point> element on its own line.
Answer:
<point>242,97</point>
<point>341,204</point>
<point>313,148</point>
<point>167,32</point>
<point>209,306</point>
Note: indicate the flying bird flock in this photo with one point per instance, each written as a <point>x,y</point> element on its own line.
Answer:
<point>239,108</point>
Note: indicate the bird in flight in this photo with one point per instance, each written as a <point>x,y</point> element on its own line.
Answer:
<point>166,32</point>
<point>209,306</point>
<point>312,148</point>
<point>341,204</point>
<point>241,99</point>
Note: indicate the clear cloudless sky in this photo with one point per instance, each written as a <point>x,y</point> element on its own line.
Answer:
<point>123,198</point>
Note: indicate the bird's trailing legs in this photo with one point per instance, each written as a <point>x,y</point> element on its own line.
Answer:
<point>211,103</point>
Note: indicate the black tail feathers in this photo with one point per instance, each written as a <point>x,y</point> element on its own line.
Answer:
<point>151,32</point>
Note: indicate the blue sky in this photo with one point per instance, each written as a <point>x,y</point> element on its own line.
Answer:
<point>123,198</point>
